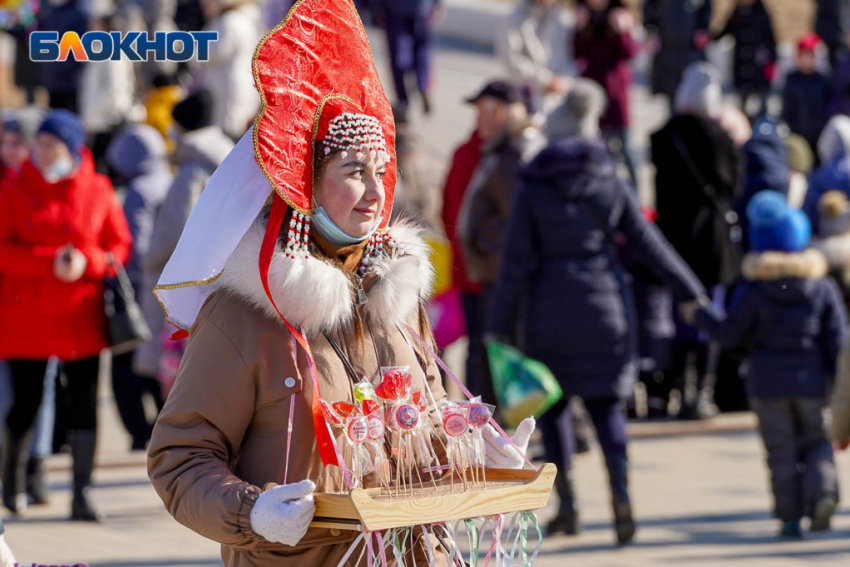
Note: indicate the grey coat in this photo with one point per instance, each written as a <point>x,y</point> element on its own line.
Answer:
<point>197,155</point>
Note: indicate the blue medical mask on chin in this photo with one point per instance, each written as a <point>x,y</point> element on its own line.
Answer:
<point>326,227</point>
<point>58,170</point>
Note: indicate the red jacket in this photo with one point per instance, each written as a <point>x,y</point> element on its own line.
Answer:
<point>464,163</point>
<point>41,316</point>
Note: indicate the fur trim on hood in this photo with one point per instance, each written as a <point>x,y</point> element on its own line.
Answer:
<point>809,264</point>
<point>316,295</point>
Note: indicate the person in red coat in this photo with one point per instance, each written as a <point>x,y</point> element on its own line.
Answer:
<point>58,221</point>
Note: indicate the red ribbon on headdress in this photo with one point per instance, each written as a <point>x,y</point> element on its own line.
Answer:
<point>323,436</point>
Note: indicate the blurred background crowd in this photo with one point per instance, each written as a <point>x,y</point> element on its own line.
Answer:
<point>722,285</point>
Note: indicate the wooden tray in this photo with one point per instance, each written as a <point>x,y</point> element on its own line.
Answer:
<point>507,491</point>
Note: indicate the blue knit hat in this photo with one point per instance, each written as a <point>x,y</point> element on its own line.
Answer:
<point>68,127</point>
<point>776,226</point>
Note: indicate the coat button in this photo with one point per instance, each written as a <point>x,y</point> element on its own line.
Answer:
<point>289,382</point>
<point>335,532</point>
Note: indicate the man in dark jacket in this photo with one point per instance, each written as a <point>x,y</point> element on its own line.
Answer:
<point>832,16</point>
<point>488,198</point>
<point>754,59</point>
<point>795,317</point>
<point>679,29</point>
<point>408,26</point>
<point>62,78</point>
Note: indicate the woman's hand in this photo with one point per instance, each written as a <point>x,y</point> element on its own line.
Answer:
<point>688,310</point>
<point>499,454</point>
<point>621,20</point>
<point>282,514</point>
<point>69,264</point>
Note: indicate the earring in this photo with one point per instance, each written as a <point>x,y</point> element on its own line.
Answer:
<point>290,237</point>
<point>371,253</point>
<point>306,246</point>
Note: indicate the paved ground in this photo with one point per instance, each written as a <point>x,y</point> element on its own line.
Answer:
<point>701,499</point>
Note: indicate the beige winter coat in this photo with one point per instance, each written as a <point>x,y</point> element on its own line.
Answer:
<point>222,436</point>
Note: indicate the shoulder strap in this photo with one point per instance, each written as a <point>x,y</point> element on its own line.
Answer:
<point>718,202</point>
<point>349,368</point>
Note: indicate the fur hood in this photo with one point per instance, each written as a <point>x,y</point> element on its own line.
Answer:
<point>809,264</point>
<point>316,295</point>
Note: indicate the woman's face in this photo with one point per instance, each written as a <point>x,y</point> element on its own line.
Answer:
<point>14,150</point>
<point>351,191</point>
<point>49,149</point>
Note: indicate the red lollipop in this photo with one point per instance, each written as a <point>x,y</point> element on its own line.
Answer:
<point>344,409</point>
<point>370,406</point>
<point>395,385</point>
<point>419,400</point>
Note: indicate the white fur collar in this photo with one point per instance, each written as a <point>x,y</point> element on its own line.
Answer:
<point>316,295</point>
<point>809,264</point>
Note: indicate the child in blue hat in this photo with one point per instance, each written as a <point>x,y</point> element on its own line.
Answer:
<point>793,316</point>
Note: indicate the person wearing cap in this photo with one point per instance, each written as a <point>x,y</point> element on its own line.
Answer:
<point>793,315</point>
<point>560,264</point>
<point>59,220</point>
<point>201,146</point>
<point>805,100</point>
<point>487,203</point>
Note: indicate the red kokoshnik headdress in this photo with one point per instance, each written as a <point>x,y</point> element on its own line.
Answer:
<point>312,68</point>
<point>317,81</point>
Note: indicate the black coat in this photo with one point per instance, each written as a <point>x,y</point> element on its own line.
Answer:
<point>560,264</point>
<point>805,103</point>
<point>675,22</point>
<point>686,215</point>
<point>830,19</point>
<point>63,76</point>
<point>794,317</point>
<point>755,46</point>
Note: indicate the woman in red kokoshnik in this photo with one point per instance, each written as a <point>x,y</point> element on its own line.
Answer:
<point>288,251</point>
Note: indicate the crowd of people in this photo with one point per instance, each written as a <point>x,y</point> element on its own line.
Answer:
<point>732,283</point>
<point>737,279</point>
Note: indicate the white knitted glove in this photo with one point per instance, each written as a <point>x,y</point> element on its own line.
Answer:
<point>282,514</point>
<point>499,454</point>
<point>6,557</point>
